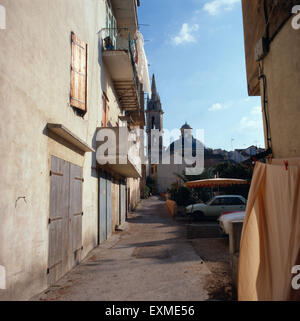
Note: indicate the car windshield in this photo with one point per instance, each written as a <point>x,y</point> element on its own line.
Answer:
<point>209,202</point>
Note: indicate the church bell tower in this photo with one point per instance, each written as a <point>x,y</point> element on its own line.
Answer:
<point>154,116</point>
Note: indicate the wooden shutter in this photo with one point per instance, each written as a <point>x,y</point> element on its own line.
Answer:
<point>79,74</point>
<point>104,110</point>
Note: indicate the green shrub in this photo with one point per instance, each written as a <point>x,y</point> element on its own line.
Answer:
<point>147,191</point>
<point>181,195</point>
<point>150,182</point>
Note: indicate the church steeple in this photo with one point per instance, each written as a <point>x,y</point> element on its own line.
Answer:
<point>154,89</point>
<point>154,110</point>
<point>154,103</point>
<point>154,114</point>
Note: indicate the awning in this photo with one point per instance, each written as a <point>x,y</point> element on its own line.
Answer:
<point>215,182</point>
<point>61,131</point>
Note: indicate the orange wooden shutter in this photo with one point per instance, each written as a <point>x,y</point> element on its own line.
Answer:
<point>79,74</point>
<point>104,110</point>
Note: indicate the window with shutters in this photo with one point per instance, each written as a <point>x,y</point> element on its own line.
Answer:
<point>105,109</point>
<point>78,95</point>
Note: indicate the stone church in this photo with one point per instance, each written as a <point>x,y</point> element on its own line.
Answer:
<point>165,171</point>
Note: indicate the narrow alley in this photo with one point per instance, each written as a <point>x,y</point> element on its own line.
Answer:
<point>151,260</point>
<point>150,153</point>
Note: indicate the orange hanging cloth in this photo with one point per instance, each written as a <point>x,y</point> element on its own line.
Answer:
<point>270,244</point>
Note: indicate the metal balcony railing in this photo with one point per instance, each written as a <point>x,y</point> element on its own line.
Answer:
<point>117,42</point>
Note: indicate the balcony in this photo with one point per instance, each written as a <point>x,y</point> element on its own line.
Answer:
<point>119,58</point>
<point>120,154</point>
<point>138,116</point>
<point>126,13</point>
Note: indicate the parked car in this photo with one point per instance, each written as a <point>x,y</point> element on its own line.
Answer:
<point>217,206</point>
<point>226,218</point>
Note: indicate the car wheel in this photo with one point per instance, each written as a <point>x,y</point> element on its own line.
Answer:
<point>198,216</point>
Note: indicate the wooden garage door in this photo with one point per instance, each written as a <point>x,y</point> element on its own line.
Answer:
<point>65,218</point>
<point>75,214</point>
<point>58,219</point>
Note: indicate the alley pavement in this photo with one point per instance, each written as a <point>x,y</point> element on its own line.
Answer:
<point>151,260</point>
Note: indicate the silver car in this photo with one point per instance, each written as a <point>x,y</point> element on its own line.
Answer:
<point>217,206</point>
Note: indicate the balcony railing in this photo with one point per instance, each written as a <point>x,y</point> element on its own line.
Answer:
<point>125,12</point>
<point>119,54</point>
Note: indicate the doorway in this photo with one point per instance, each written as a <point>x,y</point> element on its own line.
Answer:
<point>65,218</point>
<point>105,209</point>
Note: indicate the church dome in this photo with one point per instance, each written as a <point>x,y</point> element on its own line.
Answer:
<point>186,126</point>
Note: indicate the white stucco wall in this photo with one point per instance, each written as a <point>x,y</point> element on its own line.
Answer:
<point>35,57</point>
<point>166,176</point>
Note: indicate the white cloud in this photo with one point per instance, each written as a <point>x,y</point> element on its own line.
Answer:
<point>256,110</point>
<point>250,124</point>
<point>217,107</point>
<point>214,7</point>
<point>186,34</point>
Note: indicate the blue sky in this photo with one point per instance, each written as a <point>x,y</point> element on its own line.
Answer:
<point>196,50</point>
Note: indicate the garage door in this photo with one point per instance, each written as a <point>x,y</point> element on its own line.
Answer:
<point>105,210</point>
<point>122,203</point>
<point>75,214</point>
<point>65,218</point>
